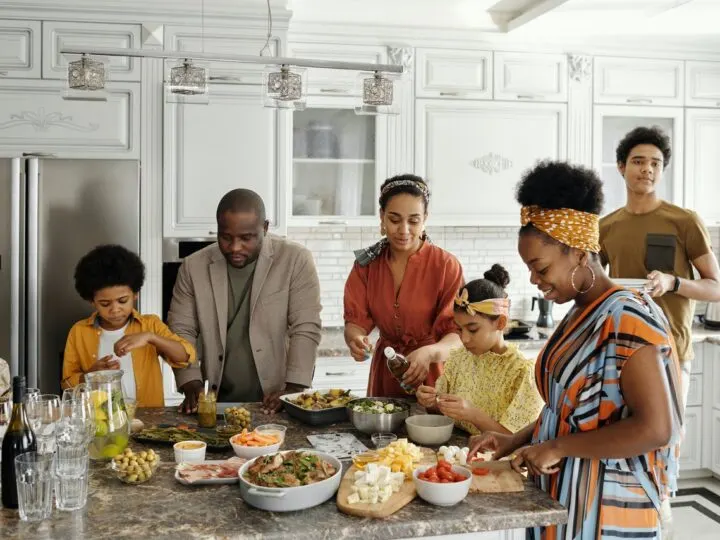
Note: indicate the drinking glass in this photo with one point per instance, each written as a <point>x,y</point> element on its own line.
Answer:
<point>34,473</point>
<point>71,475</point>
<point>80,408</point>
<point>43,413</point>
<point>31,393</point>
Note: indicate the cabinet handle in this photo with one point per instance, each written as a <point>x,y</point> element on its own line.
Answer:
<point>332,222</point>
<point>339,373</point>
<point>450,93</point>
<point>333,91</point>
<point>528,96</point>
<point>212,233</point>
<point>639,100</point>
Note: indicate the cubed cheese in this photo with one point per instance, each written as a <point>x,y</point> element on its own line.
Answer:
<point>353,498</point>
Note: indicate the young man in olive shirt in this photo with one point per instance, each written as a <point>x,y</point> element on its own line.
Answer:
<point>653,239</point>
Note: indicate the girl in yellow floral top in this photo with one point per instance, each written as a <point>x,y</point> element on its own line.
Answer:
<point>488,385</point>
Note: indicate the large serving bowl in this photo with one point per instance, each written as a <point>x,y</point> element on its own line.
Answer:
<point>291,498</point>
<point>429,429</point>
<point>378,422</point>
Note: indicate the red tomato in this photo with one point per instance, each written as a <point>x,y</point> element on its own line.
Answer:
<point>444,481</point>
<point>433,478</point>
<point>458,477</point>
<point>480,471</point>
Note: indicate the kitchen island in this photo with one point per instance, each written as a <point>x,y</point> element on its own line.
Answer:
<point>163,508</point>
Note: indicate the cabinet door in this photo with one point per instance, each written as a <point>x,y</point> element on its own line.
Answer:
<point>691,448</point>
<point>34,117</point>
<point>715,446</point>
<point>341,372</point>
<point>611,124</point>
<point>452,73</point>
<point>702,163</point>
<point>695,391</point>
<point>702,84</point>
<point>639,81</point>
<point>57,35</point>
<point>19,49</point>
<point>530,77</point>
<point>334,82</point>
<point>222,41</point>
<point>473,154</point>
<point>209,150</point>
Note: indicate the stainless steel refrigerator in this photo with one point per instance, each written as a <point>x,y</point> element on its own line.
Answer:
<point>53,211</point>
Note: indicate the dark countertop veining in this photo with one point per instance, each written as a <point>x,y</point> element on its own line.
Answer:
<point>163,508</point>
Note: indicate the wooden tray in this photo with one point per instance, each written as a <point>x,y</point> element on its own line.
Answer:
<point>501,479</point>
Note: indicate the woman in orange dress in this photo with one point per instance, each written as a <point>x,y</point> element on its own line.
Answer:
<point>405,286</point>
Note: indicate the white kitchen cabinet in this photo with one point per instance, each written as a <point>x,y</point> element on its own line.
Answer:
<point>336,82</point>
<point>530,77</point>
<point>230,143</point>
<point>34,117</point>
<point>702,84</point>
<point>339,160</point>
<point>222,41</point>
<point>691,448</point>
<point>57,35</point>
<point>611,124</point>
<point>695,391</point>
<point>474,153</point>
<point>341,372</point>
<point>453,73</point>
<point>702,163</point>
<point>715,433</point>
<point>639,81</point>
<point>20,49</point>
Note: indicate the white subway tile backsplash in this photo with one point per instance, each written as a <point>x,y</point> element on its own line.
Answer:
<point>477,249</point>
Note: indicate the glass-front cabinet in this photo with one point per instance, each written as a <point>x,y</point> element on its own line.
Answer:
<point>610,125</point>
<point>338,162</point>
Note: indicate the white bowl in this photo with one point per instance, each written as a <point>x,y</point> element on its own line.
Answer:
<point>448,494</point>
<point>249,452</point>
<point>189,455</point>
<point>273,429</point>
<point>430,429</point>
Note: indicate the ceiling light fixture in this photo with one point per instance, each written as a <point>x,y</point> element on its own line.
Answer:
<point>284,89</point>
<point>86,78</point>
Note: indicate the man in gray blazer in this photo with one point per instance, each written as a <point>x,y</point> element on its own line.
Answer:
<point>250,304</point>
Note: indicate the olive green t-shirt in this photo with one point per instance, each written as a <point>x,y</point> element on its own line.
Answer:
<point>667,239</point>
<point>240,381</point>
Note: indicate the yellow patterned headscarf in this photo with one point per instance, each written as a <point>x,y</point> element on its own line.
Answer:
<point>571,227</point>
<point>491,306</point>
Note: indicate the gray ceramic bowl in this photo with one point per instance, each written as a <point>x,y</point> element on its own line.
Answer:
<point>378,422</point>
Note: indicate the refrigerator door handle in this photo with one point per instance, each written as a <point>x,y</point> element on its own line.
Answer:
<point>16,254</point>
<point>33,248</point>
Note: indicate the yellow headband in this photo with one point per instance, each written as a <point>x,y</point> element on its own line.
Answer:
<point>573,228</point>
<point>491,306</point>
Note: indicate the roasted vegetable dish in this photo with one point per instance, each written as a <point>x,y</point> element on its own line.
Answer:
<point>316,401</point>
<point>289,470</point>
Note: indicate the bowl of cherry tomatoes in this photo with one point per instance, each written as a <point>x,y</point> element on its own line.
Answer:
<point>442,484</point>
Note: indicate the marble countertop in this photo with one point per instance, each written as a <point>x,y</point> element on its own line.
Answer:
<point>163,508</point>
<point>333,341</point>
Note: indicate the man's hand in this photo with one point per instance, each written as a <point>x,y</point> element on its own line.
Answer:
<point>272,402</point>
<point>106,362</point>
<point>659,283</point>
<point>192,390</point>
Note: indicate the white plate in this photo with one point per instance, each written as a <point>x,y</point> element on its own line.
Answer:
<point>631,283</point>
<point>208,481</point>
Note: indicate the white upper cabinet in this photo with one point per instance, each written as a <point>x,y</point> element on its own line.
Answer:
<point>702,84</point>
<point>336,82</point>
<point>530,77</point>
<point>35,118</point>
<point>233,142</point>
<point>639,81</point>
<point>452,73</point>
<point>222,41</point>
<point>702,164</point>
<point>57,35</point>
<point>474,153</point>
<point>19,49</point>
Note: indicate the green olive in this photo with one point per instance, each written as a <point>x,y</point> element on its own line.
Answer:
<point>143,454</point>
<point>132,478</point>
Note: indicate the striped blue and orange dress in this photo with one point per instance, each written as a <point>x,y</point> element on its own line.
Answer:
<point>578,375</point>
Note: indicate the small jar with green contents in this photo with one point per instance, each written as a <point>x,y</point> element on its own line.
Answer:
<point>207,409</point>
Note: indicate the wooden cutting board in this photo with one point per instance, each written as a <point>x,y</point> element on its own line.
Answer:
<point>501,479</point>
<point>379,510</point>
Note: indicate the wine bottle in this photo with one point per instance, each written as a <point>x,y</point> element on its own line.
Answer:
<point>19,438</point>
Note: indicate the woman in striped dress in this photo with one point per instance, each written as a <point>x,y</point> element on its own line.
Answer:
<point>606,443</point>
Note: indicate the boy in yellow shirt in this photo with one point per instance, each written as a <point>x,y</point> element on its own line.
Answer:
<point>488,385</point>
<point>116,336</point>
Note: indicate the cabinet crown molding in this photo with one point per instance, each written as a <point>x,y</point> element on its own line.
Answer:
<point>579,67</point>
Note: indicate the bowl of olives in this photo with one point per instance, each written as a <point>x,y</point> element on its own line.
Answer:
<point>135,467</point>
<point>237,416</point>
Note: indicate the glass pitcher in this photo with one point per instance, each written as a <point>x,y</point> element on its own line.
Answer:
<point>112,424</point>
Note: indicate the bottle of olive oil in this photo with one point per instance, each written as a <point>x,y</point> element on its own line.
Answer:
<point>398,365</point>
<point>19,438</point>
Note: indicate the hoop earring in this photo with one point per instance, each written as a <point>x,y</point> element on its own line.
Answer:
<point>572,280</point>
<point>383,232</point>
